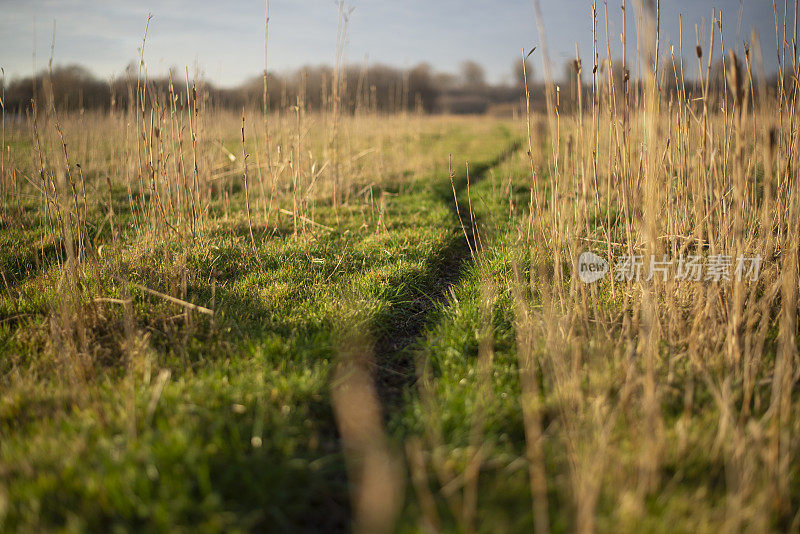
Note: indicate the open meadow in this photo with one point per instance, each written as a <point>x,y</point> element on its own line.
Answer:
<point>330,319</point>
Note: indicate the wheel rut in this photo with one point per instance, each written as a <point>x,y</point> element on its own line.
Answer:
<point>395,339</point>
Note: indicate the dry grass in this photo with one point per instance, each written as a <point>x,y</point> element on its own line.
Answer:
<point>654,404</point>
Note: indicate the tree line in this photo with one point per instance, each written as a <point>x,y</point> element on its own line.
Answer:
<point>373,88</point>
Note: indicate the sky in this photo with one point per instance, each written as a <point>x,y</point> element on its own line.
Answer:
<point>225,39</point>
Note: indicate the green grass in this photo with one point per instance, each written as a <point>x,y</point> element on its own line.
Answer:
<point>177,421</point>
<point>220,423</point>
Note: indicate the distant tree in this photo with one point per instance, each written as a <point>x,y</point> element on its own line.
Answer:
<point>671,75</point>
<point>472,74</point>
<point>131,69</point>
<point>70,87</point>
<point>519,76</point>
<point>721,71</point>
<point>620,77</point>
<point>716,78</point>
<point>571,84</point>
<point>422,88</point>
<point>570,71</point>
<point>445,80</point>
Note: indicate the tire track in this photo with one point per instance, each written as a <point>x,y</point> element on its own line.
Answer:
<point>395,340</point>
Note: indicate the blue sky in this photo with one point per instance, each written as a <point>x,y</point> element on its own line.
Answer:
<point>226,38</point>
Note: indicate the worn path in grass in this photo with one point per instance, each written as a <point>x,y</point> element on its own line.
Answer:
<point>228,423</point>
<point>398,329</point>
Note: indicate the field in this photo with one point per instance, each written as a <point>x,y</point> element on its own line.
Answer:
<point>309,320</point>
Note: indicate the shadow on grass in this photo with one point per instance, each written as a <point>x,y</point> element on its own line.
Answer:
<point>21,266</point>
<point>398,328</point>
<point>291,483</point>
<point>296,480</point>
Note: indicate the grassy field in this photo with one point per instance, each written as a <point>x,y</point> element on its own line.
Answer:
<point>302,321</point>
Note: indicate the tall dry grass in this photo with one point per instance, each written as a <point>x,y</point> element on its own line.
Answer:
<point>659,176</point>
<point>627,366</point>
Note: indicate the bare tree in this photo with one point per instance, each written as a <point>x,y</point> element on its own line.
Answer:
<point>519,75</point>
<point>571,84</point>
<point>472,74</point>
